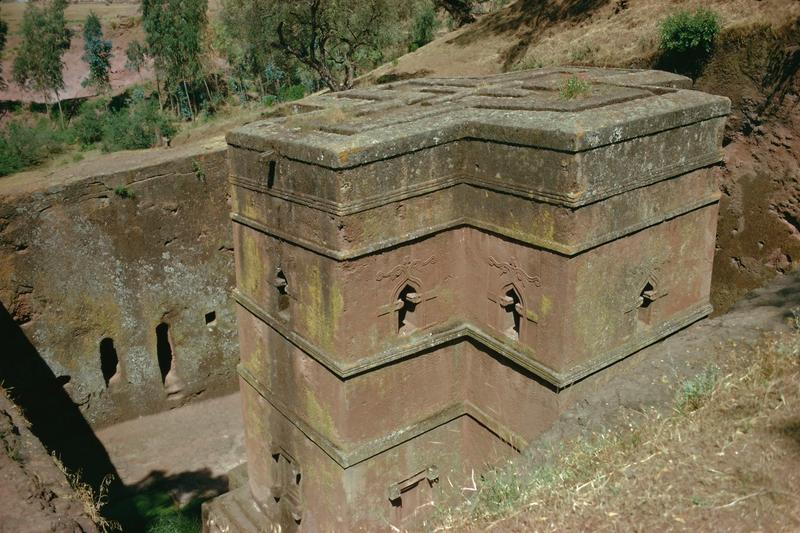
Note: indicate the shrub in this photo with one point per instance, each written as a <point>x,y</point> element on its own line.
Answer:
<point>424,28</point>
<point>690,33</point>
<point>572,88</point>
<point>89,123</point>
<point>23,145</point>
<point>138,125</point>
<point>291,92</point>
<point>694,392</point>
<point>123,192</point>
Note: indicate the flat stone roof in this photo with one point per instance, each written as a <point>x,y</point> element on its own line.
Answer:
<point>356,127</point>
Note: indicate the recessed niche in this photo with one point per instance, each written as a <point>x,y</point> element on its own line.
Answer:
<point>173,385</point>
<point>407,302</point>
<point>281,283</point>
<point>211,319</point>
<point>163,350</point>
<point>109,361</point>
<point>647,296</point>
<point>512,320</point>
<point>271,168</point>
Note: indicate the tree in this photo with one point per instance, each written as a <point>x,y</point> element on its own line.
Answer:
<point>424,28</point>
<point>3,38</point>
<point>459,10</point>
<point>246,37</point>
<point>136,55</point>
<point>335,38</point>
<point>96,54</point>
<point>174,34</point>
<point>45,37</point>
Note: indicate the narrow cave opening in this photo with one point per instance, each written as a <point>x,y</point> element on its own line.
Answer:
<point>163,350</point>
<point>109,360</point>
<point>211,319</point>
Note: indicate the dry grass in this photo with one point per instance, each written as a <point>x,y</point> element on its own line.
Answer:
<point>726,458</point>
<point>596,40</point>
<point>530,34</point>
<point>92,501</point>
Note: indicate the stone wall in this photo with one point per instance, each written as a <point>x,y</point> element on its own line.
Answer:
<point>431,271</point>
<point>120,281</point>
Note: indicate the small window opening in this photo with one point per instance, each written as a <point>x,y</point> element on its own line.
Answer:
<point>647,296</point>
<point>281,282</point>
<point>164,350</point>
<point>271,174</point>
<point>282,286</point>
<point>173,385</point>
<point>109,361</point>
<point>211,319</point>
<point>512,304</point>
<point>407,302</point>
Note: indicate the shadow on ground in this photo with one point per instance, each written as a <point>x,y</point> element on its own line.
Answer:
<point>159,503</point>
<point>528,20</point>
<point>165,503</point>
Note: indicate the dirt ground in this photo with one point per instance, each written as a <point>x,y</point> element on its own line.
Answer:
<point>34,493</point>
<point>191,448</point>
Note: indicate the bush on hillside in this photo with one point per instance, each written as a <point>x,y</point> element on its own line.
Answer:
<point>424,29</point>
<point>140,124</point>
<point>687,40</point>
<point>288,93</point>
<point>685,32</point>
<point>24,145</point>
<point>88,124</point>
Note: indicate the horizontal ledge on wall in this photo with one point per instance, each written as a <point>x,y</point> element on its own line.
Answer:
<point>450,332</point>
<point>549,245</point>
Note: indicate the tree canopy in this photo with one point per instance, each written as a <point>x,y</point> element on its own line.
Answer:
<point>174,32</point>
<point>135,55</point>
<point>336,39</point>
<point>96,53</point>
<point>45,37</point>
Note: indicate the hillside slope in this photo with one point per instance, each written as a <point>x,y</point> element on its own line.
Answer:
<point>606,33</point>
<point>755,64</point>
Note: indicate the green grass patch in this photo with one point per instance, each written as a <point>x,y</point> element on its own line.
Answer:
<point>694,392</point>
<point>154,510</point>
<point>573,87</point>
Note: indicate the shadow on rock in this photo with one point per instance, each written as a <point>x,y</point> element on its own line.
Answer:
<point>54,418</point>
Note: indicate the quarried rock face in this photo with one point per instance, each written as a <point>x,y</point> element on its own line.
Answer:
<point>115,281</point>
<point>429,272</point>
